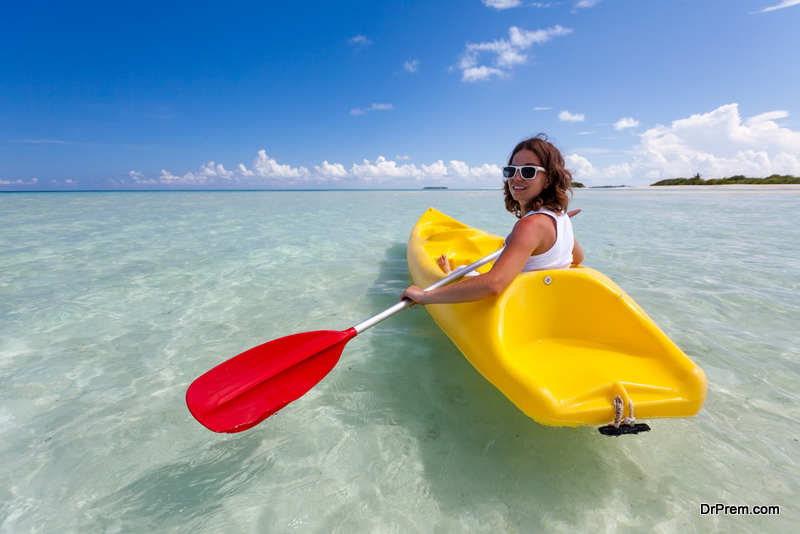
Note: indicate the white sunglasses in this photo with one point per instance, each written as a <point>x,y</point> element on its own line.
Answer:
<point>528,172</point>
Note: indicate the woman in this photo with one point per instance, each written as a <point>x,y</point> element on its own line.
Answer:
<point>536,191</point>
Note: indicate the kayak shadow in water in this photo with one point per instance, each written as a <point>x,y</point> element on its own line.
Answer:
<point>486,463</point>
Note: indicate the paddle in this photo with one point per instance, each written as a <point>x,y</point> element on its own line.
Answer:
<point>248,388</point>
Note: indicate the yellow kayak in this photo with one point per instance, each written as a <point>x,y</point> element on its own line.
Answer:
<point>560,344</point>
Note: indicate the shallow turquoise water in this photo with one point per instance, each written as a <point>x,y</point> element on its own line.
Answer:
<point>112,303</point>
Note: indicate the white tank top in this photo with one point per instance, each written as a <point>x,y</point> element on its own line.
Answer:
<point>560,254</point>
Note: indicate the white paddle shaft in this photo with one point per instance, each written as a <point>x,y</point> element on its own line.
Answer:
<point>455,275</point>
<point>405,303</point>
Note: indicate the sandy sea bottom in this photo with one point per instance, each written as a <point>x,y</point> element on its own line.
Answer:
<point>112,303</point>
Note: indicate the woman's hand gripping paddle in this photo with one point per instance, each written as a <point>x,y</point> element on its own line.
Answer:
<point>248,388</point>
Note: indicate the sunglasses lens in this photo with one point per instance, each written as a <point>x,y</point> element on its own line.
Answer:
<point>528,172</point>
<point>509,172</point>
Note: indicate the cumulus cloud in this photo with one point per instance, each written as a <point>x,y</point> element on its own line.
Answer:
<point>387,173</point>
<point>209,170</point>
<point>627,122</point>
<point>335,170</point>
<point>140,179</point>
<point>209,173</point>
<point>267,173</point>
<point>411,66</point>
<point>373,107</point>
<point>716,144</point>
<point>506,53</point>
<point>783,4</point>
<point>266,167</point>
<point>502,4</point>
<point>566,116</point>
<point>168,178</point>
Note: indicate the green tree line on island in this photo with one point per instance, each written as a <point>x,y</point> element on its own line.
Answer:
<point>738,179</point>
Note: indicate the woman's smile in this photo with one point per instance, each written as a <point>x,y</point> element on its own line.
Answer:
<point>515,188</point>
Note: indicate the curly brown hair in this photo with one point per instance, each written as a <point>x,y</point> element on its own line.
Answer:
<point>556,196</point>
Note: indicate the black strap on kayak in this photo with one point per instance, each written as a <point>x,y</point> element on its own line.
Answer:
<point>611,430</point>
<point>622,426</point>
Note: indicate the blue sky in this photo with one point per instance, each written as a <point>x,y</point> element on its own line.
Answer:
<point>364,94</point>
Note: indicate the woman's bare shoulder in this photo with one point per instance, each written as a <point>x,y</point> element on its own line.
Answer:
<point>534,223</point>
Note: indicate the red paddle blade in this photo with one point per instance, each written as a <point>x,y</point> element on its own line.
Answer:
<point>248,388</point>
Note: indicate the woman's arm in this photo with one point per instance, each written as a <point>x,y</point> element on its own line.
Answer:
<point>577,253</point>
<point>524,239</point>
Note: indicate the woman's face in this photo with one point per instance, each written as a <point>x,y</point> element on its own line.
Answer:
<point>522,190</point>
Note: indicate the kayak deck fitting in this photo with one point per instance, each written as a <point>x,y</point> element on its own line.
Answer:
<point>560,344</point>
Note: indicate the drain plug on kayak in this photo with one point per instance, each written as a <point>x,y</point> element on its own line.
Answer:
<point>548,280</point>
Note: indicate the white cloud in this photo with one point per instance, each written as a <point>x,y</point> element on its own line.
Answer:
<point>627,122</point>
<point>382,169</point>
<point>266,167</point>
<point>485,174</point>
<point>480,74</point>
<point>411,66</point>
<point>373,107</point>
<point>507,53</point>
<point>566,116</point>
<point>541,108</point>
<point>582,4</point>
<point>359,41</point>
<point>167,177</point>
<point>32,181</point>
<point>715,144</point>
<point>502,4</point>
<point>783,4</point>
<point>267,173</point>
<point>335,170</point>
<point>209,170</point>
<point>139,178</point>
<point>209,173</point>
<point>455,173</point>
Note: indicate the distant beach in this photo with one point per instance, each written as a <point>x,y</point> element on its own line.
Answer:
<point>700,188</point>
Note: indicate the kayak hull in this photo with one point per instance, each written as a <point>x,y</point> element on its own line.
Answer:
<point>560,344</point>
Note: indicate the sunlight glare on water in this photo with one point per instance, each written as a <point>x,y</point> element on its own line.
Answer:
<point>112,303</point>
